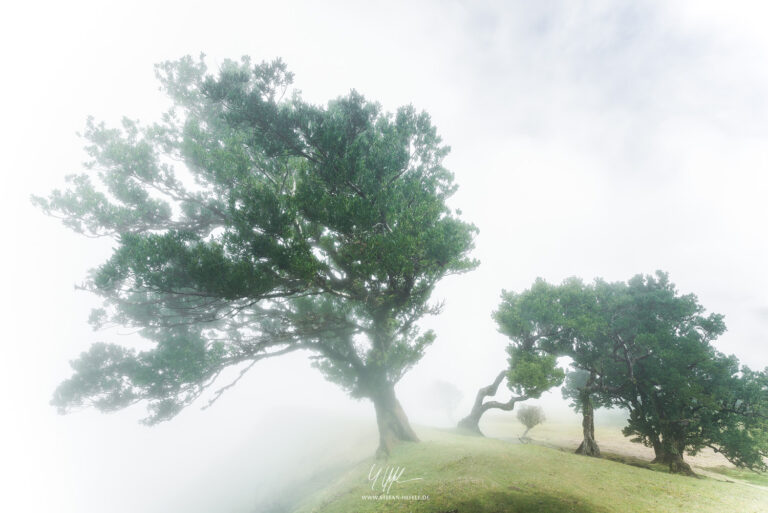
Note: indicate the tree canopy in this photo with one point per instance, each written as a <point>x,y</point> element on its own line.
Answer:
<point>643,346</point>
<point>248,224</point>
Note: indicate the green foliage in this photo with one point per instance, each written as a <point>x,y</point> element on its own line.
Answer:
<point>530,373</point>
<point>643,346</point>
<point>111,377</point>
<point>530,415</point>
<point>579,386</point>
<point>259,224</point>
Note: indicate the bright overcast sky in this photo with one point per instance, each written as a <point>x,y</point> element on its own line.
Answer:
<point>589,139</point>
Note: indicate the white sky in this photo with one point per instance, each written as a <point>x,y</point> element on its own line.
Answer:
<point>589,139</point>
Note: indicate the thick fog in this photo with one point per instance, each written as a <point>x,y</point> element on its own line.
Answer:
<point>588,139</point>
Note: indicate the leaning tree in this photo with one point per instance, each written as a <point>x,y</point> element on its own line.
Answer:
<point>531,370</point>
<point>249,224</point>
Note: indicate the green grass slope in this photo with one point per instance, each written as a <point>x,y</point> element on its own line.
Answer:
<point>461,474</point>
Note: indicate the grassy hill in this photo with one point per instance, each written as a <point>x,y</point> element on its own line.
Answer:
<point>449,472</point>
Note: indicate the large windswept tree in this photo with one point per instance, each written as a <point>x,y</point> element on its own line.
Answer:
<point>248,224</point>
<point>683,394</point>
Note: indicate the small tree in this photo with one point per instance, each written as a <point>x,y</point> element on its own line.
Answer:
<point>444,396</point>
<point>288,227</point>
<point>530,416</point>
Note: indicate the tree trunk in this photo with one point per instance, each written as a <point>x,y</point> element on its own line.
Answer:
<point>678,466</point>
<point>674,457</point>
<point>588,446</point>
<point>392,421</point>
<point>471,423</point>
<point>660,454</point>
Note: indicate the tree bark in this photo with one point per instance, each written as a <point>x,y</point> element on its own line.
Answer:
<point>673,456</point>
<point>678,466</point>
<point>471,423</point>
<point>588,445</point>
<point>660,454</point>
<point>392,421</point>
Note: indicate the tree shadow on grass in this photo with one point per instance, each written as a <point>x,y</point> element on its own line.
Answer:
<point>519,501</point>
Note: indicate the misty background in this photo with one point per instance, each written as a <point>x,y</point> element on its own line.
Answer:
<point>589,139</point>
